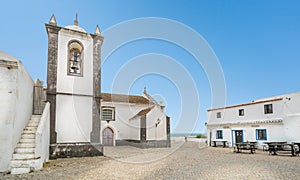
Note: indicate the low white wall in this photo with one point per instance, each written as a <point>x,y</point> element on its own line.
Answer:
<point>16,94</point>
<point>188,139</point>
<point>42,140</point>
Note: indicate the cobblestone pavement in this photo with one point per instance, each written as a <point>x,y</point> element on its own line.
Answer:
<point>190,160</point>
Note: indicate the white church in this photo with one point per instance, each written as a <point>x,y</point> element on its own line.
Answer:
<point>70,117</point>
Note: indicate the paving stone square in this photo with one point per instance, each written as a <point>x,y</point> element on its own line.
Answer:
<point>185,160</point>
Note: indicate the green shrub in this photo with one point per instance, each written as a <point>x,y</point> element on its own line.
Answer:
<point>201,136</point>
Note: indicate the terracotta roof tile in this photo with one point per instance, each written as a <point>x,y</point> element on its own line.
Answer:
<point>106,97</point>
<point>239,105</point>
<point>142,112</point>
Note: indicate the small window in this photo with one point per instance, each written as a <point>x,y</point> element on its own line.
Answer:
<point>75,58</point>
<point>261,134</point>
<point>241,112</point>
<point>218,114</point>
<point>108,114</point>
<point>268,109</point>
<point>219,134</point>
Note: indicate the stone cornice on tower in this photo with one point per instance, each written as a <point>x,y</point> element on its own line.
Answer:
<point>52,25</point>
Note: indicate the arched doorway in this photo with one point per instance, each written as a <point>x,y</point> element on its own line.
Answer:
<point>108,137</point>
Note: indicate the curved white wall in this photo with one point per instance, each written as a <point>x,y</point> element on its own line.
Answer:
<point>16,94</point>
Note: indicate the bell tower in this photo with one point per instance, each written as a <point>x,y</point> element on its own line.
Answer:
<point>73,90</point>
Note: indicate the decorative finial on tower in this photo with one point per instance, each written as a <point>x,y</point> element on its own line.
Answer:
<point>53,20</point>
<point>97,32</point>
<point>76,20</point>
<point>145,90</point>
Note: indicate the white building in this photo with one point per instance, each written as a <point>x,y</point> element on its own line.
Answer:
<point>133,120</point>
<point>77,119</point>
<point>264,120</point>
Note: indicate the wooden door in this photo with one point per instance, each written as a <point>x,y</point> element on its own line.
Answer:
<point>238,136</point>
<point>107,137</point>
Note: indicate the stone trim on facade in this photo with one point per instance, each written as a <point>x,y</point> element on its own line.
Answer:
<point>168,129</point>
<point>52,32</point>
<point>8,64</point>
<point>96,122</point>
<point>66,150</point>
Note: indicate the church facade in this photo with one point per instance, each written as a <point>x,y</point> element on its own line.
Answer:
<point>133,120</point>
<point>73,89</point>
<point>77,120</point>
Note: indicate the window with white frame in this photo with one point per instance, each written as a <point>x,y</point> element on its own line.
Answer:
<point>219,134</point>
<point>108,113</point>
<point>268,108</point>
<point>261,134</point>
<point>218,114</point>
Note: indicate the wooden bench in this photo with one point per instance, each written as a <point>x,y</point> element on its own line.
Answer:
<point>274,148</point>
<point>224,143</point>
<point>297,147</point>
<point>267,145</point>
<point>245,146</point>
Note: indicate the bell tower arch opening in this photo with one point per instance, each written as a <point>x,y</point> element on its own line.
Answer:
<point>75,58</point>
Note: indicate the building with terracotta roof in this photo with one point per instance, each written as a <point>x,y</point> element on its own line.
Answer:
<point>273,119</point>
<point>133,120</point>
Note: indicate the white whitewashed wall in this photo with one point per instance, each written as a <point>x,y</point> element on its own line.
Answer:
<point>74,84</point>
<point>159,132</point>
<point>73,118</point>
<point>74,113</point>
<point>127,127</point>
<point>124,126</point>
<point>16,93</point>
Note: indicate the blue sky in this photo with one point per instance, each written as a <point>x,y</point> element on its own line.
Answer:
<point>257,44</point>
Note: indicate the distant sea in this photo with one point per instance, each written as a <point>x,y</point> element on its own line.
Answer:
<point>183,134</point>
